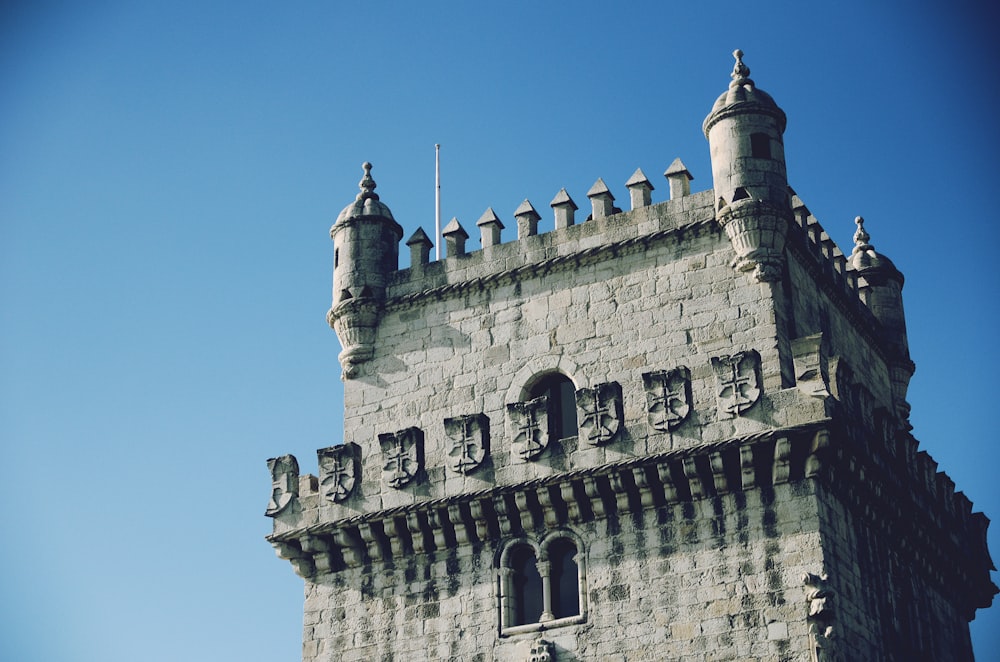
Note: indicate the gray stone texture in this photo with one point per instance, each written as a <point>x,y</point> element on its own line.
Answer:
<point>744,485</point>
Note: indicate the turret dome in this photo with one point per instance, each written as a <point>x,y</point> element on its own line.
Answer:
<point>864,258</point>
<point>367,202</point>
<point>743,96</point>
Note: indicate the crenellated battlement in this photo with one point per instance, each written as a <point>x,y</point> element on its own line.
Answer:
<point>568,241</point>
<point>696,404</point>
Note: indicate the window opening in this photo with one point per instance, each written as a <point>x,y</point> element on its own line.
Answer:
<point>565,579</point>
<point>561,394</point>
<point>527,587</point>
<point>541,587</point>
<point>760,146</point>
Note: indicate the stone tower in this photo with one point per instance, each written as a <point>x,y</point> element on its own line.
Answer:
<point>753,205</point>
<point>674,432</point>
<point>365,253</point>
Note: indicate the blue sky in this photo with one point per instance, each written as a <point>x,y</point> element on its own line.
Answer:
<point>169,172</point>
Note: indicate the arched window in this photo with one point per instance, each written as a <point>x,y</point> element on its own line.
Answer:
<point>526,583</point>
<point>561,394</point>
<point>564,577</point>
<point>541,585</point>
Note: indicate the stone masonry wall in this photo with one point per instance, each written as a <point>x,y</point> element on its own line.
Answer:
<point>852,555</point>
<point>713,579</point>
<point>814,310</point>
<point>887,607</point>
<point>671,302</point>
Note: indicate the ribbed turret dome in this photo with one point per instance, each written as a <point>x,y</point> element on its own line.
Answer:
<point>864,258</point>
<point>743,96</point>
<point>367,202</point>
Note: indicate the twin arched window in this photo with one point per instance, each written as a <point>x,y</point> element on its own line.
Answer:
<point>541,585</point>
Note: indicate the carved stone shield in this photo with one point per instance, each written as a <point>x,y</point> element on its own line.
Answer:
<point>339,470</point>
<point>402,456</point>
<point>529,426</point>
<point>284,483</point>
<point>470,441</point>
<point>600,412</point>
<point>738,381</point>
<point>668,398</point>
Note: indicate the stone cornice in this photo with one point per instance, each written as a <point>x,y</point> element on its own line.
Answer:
<point>934,527</point>
<point>634,484</point>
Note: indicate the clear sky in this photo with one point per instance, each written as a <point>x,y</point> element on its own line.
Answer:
<point>169,172</point>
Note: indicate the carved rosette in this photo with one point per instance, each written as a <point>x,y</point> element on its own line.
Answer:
<point>529,426</point>
<point>757,231</point>
<point>402,455</point>
<point>600,412</point>
<point>355,321</point>
<point>738,381</point>
<point>668,398</point>
<point>284,483</point>
<point>470,441</point>
<point>339,470</point>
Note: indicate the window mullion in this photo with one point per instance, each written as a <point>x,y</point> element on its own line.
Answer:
<point>544,568</point>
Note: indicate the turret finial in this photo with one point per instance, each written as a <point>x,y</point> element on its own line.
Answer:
<point>741,72</point>
<point>367,184</point>
<point>861,236</point>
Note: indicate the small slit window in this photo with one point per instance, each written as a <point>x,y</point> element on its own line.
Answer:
<point>760,146</point>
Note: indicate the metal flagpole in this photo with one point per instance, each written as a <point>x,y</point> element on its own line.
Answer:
<point>437,201</point>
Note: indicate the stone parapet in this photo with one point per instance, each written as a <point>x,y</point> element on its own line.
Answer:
<point>630,485</point>
<point>602,236</point>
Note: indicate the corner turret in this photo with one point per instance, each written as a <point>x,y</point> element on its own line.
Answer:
<point>883,292</point>
<point>365,251</point>
<point>744,132</point>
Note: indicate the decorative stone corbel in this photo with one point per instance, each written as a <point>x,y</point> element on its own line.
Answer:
<point>757,231</point>
<point>301,562</point>
<point>355,321</point>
